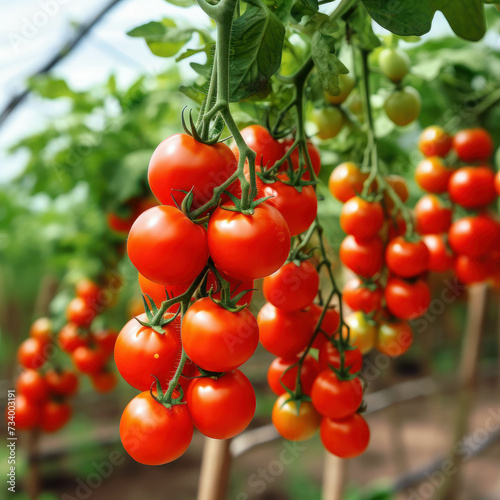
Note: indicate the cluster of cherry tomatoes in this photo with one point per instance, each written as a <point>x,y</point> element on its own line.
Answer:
<point>388,289</point>
<point>43,387</point>
<point>459,181</point>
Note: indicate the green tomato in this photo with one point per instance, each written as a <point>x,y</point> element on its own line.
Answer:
<point>355,103</point>
<point>403,106</point>
<point>346,84</point>
<point>394,63</point>
<point>329,121</point>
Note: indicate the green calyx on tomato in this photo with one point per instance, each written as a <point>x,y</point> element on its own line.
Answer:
<point>163,398</point>
<point>210,138</point>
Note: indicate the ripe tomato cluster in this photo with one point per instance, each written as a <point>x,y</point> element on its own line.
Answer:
<point>388,289</point>
<point>312,394</point>
<point>458,180</point>
<point>43,387</point>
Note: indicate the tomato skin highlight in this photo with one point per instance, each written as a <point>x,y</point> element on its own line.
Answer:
<point>284,334</point>
<point>394,338</point>
<point>166,247</point>
<point>473,144</point>
<point>216,339</point>
<point>472,187</point>
<point>31,354</point>
<point>69,338</point>
<point>248,247</point>
<point>298,209</point>
<point>432,175</point>
<point>293,425</point>
<point>407,258</point>
<point>347,438</point>
<point>474,236</point>
<point>441,257</point>
<point>258,139</point>
<point>407,300</point>
<point>153,434</point>
<point>41,329</point>
<point>336,398</point>
<point>309,371</point>
<point>346,181</point>
<point>221,408</point>
<point>394,63</point>
<point>364,258</point>
<point>361,218</point>
<point>362,298</point>
<point>180,163</point>
<point>434,141</point>
<point>152,353</point>
<point>431,216</point>
<point>80,312</point>
<point>292,287</point>
<point>329,356</point>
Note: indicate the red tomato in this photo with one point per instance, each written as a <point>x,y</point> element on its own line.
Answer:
<point>32,354</point>
<point>407,300</point>
<point>298,208</point>
<point>153,434</point>
<point>329,357</point>
<point>407,258</point>
<point>293,422</point>
<point>361,218</point>
<point>282,333</point>
<point>80,312</point>
<point>88,290</point>
<point>362,297</point>
<point>70,338</point>
<point>473,270</point>
<point>54,416</point>
<point>294,157</point>
<point>434,141</point>
<point>105,340</point>
<point>472,187</point>
<point>433,175</point>
<point>32,384</point>
<point>158,291</point>
<point>216,339</point>
<point>180,163</point>
<point>87,360</point>
<point>441,257</point>
<point>292,287</point>
<point>236,286</point>
<point>122,224</point>
<point>431,216</point>
<point>221,408</point>
<point>394,339</point>
<point>474,236</point>
<point>365,258</point>
<point>336,398</point>
<point>166,247</point>
<point>308,372</point>
<point>248,247</point>
<point>41,329</point>
<point>346,181</point>
<point>329,325</point>
<point>345,438</point>
<point>258,139</point>
<point>474,144</point>
<point>27,413</point>
<point>104,382</point>
<point>62,383</point>
<point>152,353</point>
<point>497,182</point>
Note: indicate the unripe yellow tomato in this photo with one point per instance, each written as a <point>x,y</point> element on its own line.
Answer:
<point>403,106</point>
<point>362,333</point>
<point>394,63</point>
<point>329,121</point>
<point>346,84</point>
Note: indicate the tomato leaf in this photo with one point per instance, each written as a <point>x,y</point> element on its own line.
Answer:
<point>363,35</point>
<point>466,17</point>
<point>257,41</point>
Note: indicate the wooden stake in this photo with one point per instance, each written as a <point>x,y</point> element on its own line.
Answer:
<point>334,475</point>
<point>215,468</point>
<point>467,372</point>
